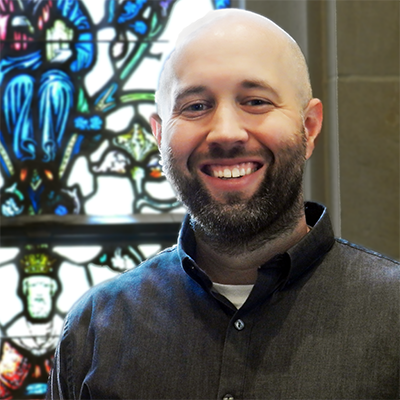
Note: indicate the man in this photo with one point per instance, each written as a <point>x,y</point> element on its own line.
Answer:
<point>257,300</point>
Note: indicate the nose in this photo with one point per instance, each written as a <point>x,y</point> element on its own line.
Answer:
<point>227,128</point>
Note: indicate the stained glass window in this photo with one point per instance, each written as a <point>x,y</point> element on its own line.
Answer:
<point>83,196</point>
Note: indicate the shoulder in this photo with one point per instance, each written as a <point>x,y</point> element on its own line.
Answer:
<point>352,284</point>
<point>151,276</point>
<point>351,266</point>
<point>350,252</point>
<point>164,263</point>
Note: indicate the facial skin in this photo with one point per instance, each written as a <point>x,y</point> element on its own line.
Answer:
<point>235,102</point>
<point>39,291</point>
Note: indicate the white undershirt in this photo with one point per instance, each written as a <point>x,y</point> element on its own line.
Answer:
<point>236,294</point>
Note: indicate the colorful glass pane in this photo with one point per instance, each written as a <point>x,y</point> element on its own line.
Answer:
<point>77,85</point>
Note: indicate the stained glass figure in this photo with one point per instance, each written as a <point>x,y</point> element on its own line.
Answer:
<point>42,284</point>
<point>67,75</point>
<point>77,84</point>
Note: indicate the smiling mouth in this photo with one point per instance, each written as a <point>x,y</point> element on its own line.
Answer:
<point>234,171</point>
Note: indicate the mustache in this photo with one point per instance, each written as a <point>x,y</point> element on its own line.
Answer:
<point>218,152</point>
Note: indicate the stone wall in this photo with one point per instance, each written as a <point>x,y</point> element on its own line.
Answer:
<point>352,49</point>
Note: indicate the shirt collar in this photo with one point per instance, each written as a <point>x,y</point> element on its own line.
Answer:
<point>305,254</point>
<point>312,247</point>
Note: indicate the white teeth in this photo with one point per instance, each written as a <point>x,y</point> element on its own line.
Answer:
<point>235,172</point>
<point>227,173</point>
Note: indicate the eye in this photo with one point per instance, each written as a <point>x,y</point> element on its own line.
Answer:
<point>195,109</point>
<point>257,105</point>
<point>257,102</point>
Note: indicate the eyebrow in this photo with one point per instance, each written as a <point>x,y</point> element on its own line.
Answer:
<point>191,90</point>
<point>259,84</point>
<point>246,84</point>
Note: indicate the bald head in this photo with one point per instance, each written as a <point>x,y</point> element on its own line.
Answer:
<point>237,28</point>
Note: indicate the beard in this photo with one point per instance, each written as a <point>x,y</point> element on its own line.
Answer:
<point>238,224</point>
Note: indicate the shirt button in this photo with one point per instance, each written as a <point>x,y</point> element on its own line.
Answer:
<point>228,397</point>
<point>239,324</point>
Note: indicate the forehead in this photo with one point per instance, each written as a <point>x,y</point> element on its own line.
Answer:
<point>39,279</point>
<point>222,59</point>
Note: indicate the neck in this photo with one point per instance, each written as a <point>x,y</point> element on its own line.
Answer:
<point>241,268</point>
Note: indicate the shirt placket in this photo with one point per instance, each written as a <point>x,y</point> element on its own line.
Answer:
<point>234,357</point>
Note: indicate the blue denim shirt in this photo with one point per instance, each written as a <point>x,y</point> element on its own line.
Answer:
<point>322,322</point>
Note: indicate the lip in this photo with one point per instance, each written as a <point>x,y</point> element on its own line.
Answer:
<point>231,161</point>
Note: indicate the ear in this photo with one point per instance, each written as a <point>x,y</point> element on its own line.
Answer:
<point>312,124</point>
<point>155,122</point>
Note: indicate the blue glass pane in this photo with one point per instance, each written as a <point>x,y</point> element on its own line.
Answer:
<point>77,83</point>
<point>56,106</point>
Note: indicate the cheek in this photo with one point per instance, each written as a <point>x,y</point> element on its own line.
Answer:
<point>181,140</point>
<point>279,133</point>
